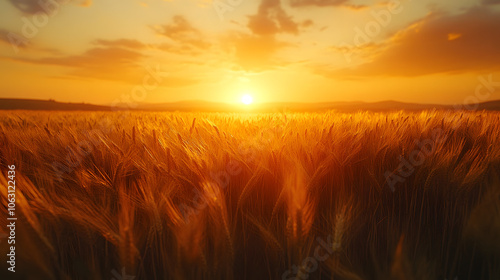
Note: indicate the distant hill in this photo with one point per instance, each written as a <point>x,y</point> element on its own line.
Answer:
<point>195,105</point>
<point>49,105</point>
<point>490,106</point>
<point>382,106</point>
<point>354,106</point>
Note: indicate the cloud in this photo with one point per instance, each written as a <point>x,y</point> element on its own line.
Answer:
<point>108,63</point>
<point>180,49</point>
<point>319,3</point>
<point>32,6</point>
<point>114,60</point>
<point>182,33</point>
<point>110,57</point>
<point>307,23</point>
<point>326,3</point>
<point>10,38</point>
<point>442,43</point>
<point>44,6</point>
<point>257,51</point>
<point>356,7</point>
<point>272,19</point>
<point>126,43</point>
<point>18,42</point>
<point>253,51</point>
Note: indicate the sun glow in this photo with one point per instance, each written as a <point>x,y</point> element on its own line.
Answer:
<point>247,99</point>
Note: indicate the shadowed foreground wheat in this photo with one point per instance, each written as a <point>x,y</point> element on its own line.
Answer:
<point>251,196</point>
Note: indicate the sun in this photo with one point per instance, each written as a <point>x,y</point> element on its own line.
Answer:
<point>247,99</point>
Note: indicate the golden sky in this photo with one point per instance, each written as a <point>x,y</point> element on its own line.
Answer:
<point>103,51</point>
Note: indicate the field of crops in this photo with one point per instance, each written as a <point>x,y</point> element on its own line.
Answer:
<point>252,196</point>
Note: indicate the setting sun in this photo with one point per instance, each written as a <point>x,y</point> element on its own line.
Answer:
<point>247,99</point>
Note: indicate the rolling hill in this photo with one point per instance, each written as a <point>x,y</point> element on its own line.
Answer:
<point>50,105</point>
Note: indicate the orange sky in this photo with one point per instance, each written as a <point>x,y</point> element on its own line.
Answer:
<point>218,50</point>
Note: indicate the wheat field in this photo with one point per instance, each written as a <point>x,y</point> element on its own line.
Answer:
<point>322,195</point>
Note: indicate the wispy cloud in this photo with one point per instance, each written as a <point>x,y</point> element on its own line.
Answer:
<point>272,19</point>
<point>441,43</point>
<point>41,6</point>
<point>183,33</point>
<point>126,43</point>
<point>319,3</point>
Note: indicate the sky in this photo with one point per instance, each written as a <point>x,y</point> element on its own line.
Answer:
<point>150,51</point>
